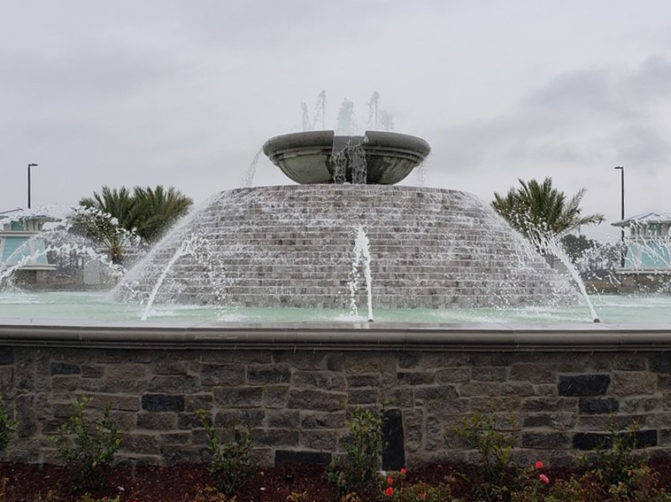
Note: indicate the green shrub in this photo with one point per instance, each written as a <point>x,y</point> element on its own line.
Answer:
<point>6,426</point>
<point>357,470</point>
<point>495,477</point>
<point>232,464</point>
<point>86,446</point>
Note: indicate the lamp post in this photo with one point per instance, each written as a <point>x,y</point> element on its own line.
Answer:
<point>621,168</point>
<point>29,166</point>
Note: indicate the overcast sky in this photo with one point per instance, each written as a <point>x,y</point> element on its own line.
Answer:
<point>184,93</point>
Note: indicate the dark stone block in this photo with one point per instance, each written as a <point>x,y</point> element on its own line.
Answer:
<point>393,455</point>
<point>65,369</point>
<point>583,385</point>
<point>592,440</point>
<point>660,362</point>
<point>538,421</point>
<point>597,405</point>
<point>286,457</point>
<point>162,402</point>
<point>645,439</point>
<point>6,355</point>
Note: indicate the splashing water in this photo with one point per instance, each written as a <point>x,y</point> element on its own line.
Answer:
<point>548,244</point>
<point>361,257</point>
<point>194,245</point>
<point>250,173</point>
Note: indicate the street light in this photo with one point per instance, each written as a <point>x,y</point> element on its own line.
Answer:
<point>29,166</point>
<point>621,168</point>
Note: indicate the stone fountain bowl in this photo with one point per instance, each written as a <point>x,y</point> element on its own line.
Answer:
<point>305,157</point>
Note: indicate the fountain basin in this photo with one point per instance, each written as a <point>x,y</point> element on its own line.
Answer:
<point>306,157</point>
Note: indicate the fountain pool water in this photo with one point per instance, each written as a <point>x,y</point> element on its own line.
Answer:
<point>101,306</point>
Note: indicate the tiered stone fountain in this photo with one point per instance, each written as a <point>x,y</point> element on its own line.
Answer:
<point>292,245</point>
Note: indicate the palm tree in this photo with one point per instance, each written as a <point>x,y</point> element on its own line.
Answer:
<point>535,208</point>
<point>114,217</point>
<point>157,209</point>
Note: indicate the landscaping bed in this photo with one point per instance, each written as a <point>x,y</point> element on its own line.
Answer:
<point>186,483</point>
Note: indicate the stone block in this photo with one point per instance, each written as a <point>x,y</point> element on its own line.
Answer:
<point>453,375</point>
<point>268,375</point>
<point>275,437</point>
<point>415,378</point>
<point>489,374</point>
<point>174,384</point>
<point>598,405</point>
<point>319,439</point>
<point>583,385</point>
<point>630,362</point>
<point>215,375</point>
<point>363,396</point>
<point>230,419</point>
<point>59,368</point>
<point>319,420</point>
<point>194,402</point>
<point>238,397</point>
<point>372,380</point>
<point>162,402</point>
<point>660,362</point>
<point>516,389</point>
<point>307,399</point>
<point>92,371</point>
<point>305,360</point>
<point>157,421</point>
<point>592,440</point>
<point>275,396</point>
<point>442,393</point>
<point>473,389</point>
<point>546,404</point>
<point>545,440</point>
<point>302,457</point>
<point>115,402</point>
<point>325,380</point>
<point>537,373</point>
<point>634,383</point>
<point>137,443</point>
<point>409,360</point>
<point>6,356</point>
<point>393,453</point>
<point>400,396</point>
<point>288,419</point>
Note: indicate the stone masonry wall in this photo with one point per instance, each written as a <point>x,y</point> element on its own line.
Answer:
<point>294,402</point>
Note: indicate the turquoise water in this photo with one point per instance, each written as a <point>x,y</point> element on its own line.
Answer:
<point>100,306</point>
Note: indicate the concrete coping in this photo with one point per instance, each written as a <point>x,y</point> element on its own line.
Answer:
<point>339,336</point>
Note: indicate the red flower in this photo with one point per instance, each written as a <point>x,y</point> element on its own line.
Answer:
<point>544,479</point>
<point>390,480</point>
<point>539,465</point>
<point>403,471</point>
<point>389,491</point>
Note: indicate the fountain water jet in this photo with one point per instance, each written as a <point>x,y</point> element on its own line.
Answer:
<point>361,254</point>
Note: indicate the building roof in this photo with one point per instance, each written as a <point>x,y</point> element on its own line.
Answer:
<point>18,214</point>
<point>644,219</point>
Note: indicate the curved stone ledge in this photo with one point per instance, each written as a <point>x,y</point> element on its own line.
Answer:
<point>338,336</point>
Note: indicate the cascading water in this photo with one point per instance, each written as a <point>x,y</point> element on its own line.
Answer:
<point>194,245</point>
<point>361,258</point>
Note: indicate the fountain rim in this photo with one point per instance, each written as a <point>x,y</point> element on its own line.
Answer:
<point>340,336</point>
